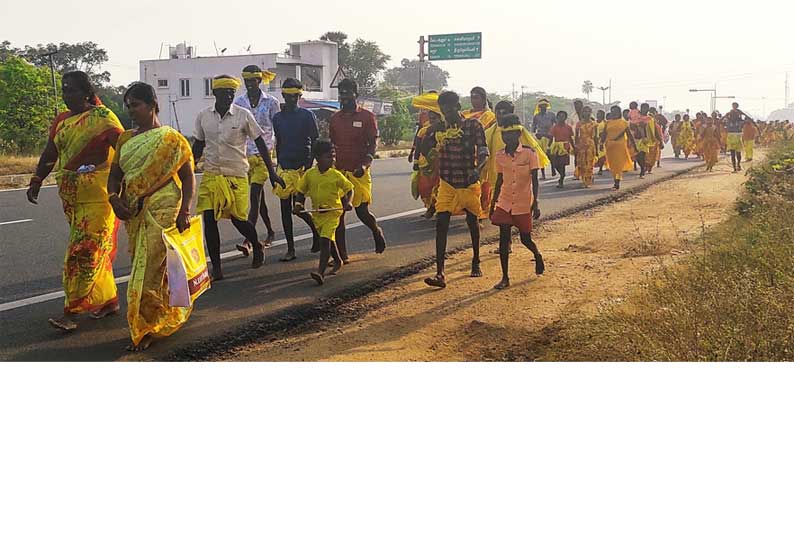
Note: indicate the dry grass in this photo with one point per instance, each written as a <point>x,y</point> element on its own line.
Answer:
<point>730,299</point>
<point>17,165</point>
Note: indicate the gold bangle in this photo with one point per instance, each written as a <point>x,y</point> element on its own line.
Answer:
<point>110,196</point>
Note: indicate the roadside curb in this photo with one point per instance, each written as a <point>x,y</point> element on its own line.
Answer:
<point>338,309</point>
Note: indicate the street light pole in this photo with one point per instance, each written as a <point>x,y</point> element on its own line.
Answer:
<point>523,111</point>
<point>713,94</point>
<point>604,95</point>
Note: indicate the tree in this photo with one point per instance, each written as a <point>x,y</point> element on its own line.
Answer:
<point>86,56</point>
<point>406,76</point>
<point>587,88</point>
<point>397,126</point>
<point>362,60</point>
<point>113,99</point>
<point>25,105</point>
<point>365,63</point>
<point>340,38</point>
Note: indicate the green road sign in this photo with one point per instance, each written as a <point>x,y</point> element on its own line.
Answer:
<point>454,46</point>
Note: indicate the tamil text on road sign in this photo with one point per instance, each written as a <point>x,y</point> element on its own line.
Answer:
<point>455,46</point>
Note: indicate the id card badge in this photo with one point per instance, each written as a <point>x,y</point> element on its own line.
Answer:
<point>357,124</point>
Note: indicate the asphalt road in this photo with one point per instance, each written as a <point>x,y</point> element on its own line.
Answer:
<point>33,243</point>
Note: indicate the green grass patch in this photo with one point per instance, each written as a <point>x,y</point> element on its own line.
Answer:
<point>731,299</point>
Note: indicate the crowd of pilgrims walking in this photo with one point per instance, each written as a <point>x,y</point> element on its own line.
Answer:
<point>481,163</point>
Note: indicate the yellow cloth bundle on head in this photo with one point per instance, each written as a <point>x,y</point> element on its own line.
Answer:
<point>292,90</point>
<point>225,82</point>
<point>427,101</point>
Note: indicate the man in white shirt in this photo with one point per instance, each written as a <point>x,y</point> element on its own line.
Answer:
<point>221,133</point>
<point>263,107</point>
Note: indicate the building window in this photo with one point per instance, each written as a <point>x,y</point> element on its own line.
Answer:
<point>312,78</point>
<point>162,83</point>
<point>184,88</point>
<point>208,86</point>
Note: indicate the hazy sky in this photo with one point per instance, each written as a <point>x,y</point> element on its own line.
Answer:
<point>650,53</point>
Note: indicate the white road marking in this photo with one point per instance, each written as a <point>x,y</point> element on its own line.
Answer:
<point>224,256</point>
<point>25,188</point>
<point>16,221</point>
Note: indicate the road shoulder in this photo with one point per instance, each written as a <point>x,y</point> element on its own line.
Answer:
<point>595,255</point>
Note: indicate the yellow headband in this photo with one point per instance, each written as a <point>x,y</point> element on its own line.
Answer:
<point>542,101</point>
<point>265,75</point>
<point>512,128</point>
<point>292,90</point>
<point>226,82</point>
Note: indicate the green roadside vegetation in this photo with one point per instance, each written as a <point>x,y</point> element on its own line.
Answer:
<point>730,299</point>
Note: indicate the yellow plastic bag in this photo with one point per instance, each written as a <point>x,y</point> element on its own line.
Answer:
<point>186,264</point>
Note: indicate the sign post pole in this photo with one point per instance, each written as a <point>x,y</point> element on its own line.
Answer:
<point>422,56</point>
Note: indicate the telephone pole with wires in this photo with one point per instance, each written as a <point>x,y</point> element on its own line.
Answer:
<point>49,55</point>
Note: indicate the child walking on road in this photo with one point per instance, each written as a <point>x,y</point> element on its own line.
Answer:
<point>517,171</point>
<point>331,193</point>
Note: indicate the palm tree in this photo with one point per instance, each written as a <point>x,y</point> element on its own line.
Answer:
<point>587,88</point>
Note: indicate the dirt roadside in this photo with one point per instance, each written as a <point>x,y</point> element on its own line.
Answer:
<point>591,257</point>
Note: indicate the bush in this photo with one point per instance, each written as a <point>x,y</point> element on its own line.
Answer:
<point>394,127</point>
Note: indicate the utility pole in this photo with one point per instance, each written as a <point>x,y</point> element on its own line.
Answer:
<point>786,104</point>
<point>422,57</point>
<point>54,86</point>
<point>610,90</point>
<point>523,111</point>
<point>604,95</point>
<point>713,92</point>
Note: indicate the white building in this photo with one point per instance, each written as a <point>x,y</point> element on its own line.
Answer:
<point>183,82</point>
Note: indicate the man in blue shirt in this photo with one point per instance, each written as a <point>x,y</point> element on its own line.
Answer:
<point>296,131</point>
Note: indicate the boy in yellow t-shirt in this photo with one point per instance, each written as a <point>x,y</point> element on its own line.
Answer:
<point>331,193</point>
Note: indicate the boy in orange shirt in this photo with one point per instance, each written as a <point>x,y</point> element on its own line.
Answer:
<point>516,176</point>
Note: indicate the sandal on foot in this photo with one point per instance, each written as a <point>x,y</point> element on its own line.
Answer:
<point>245,248</point>
<point>437,282</point>
<point>63,326</point>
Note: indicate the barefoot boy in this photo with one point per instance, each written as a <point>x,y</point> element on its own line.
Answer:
<point>516,173</point>
<point>331,193</point>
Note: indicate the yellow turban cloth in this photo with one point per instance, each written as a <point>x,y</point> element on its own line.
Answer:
<point>265,75</point>
<point>427,101</point>
<point>291,90</point>
<point>542,101</point>
<point>226,82</point>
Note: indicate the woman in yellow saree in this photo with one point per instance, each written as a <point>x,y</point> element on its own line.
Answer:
<point>686,137</point>
<point>711,143</point>
<point>480,109</point>
<point>156,165</point>
<point>79,150</point>
<point>616,138</point>
<point>586,146</point>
